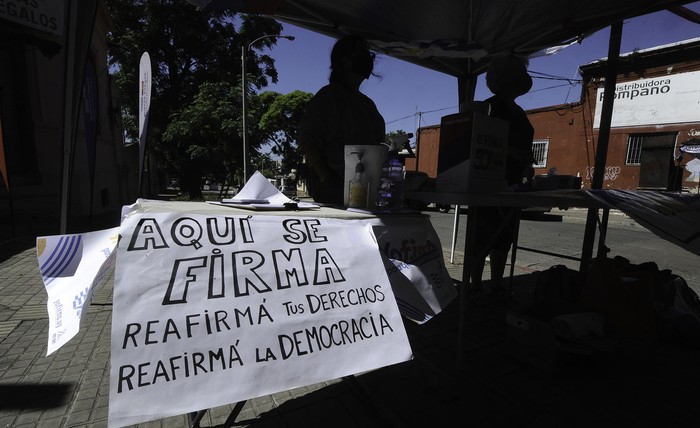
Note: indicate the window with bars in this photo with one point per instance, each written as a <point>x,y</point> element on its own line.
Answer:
<point>539,153</point>
<point>634,149</point>
<point>639,144</point>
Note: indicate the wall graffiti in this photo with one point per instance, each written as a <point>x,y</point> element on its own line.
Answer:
<point>611,173</point>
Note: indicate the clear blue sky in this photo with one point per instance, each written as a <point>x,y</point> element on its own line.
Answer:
<point>406,89</point>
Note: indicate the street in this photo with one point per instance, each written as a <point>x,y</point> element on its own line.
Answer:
<point>563,234</point>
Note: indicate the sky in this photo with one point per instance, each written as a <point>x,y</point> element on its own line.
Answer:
<point>410,96</point>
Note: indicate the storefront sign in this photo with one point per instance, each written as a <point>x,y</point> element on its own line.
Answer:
<point>42,15</point>
<point>662,100</point>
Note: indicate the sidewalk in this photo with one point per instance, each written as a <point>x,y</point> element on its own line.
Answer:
<point>490,389</point>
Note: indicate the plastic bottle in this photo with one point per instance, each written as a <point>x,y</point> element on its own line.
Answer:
<point>358,187</point>
<point>390,191</point>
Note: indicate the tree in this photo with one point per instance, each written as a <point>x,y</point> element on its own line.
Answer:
<point>398,132</point>
<point>266,165</point>
<point>280,123</point>
<point>203,137</point>
<point>187,48</point>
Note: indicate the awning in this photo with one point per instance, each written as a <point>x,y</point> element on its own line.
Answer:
<point>455,37</point>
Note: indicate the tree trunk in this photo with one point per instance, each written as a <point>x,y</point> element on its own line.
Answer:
<point>192,184</point>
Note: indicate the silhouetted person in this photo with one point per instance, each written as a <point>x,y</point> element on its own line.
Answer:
<point>507,78</point>
<point>339,115</point>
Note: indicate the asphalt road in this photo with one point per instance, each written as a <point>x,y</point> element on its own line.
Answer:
<point>563,234</point>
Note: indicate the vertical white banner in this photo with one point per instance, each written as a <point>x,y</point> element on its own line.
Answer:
<point>144,106</point>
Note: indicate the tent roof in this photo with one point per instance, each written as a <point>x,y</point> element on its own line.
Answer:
<point>456,37</point>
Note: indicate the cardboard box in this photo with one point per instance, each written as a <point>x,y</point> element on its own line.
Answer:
<point>473,150</point>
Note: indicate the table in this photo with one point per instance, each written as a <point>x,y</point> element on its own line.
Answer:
<point>671,216</point>
<point>565,198</point>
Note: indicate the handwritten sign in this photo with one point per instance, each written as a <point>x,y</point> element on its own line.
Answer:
<point>213,310</point>
<point>415,265</point>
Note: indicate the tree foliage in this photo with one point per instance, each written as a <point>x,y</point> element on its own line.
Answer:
<point>398,132</point>
<point>280,122</point>
<point>203,135</point>
<point>192,53</point>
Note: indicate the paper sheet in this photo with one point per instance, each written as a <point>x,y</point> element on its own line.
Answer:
<point>259,194</point>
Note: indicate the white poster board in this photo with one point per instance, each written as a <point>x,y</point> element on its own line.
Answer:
<point>484,170</point>
<point>662,100</point>
<point>213,310</point>
<point>414,262</point>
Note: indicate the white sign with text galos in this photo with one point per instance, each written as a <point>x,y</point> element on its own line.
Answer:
<point>213,310</point>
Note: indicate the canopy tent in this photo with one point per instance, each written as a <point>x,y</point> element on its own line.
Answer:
<point>459,37</point>
<point>455,37</point>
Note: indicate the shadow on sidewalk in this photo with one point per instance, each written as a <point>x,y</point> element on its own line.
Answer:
<point>35,395</point>
<point>493,386</point>
<point>13,247</point>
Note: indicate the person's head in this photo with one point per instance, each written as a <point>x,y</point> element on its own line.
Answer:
<point>351,54</point>
<point>507,76</point>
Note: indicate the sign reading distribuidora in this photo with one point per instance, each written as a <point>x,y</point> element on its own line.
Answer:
<point>662,100</point>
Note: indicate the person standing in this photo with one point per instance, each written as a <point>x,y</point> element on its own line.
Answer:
<point>339,115</point>
<point>507,78</point>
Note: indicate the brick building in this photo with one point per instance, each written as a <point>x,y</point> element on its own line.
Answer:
<point>656,110</point>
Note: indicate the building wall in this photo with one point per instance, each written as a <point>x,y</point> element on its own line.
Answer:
<point>573,143</point>
<point>31,110</point>
<point>116,171</point>
<point>427,149</point>
<point>572,138</point>
<point>673,60</point>
<point>568,143</point>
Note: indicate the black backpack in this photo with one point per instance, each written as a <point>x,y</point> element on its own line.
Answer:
<point>557,291</point>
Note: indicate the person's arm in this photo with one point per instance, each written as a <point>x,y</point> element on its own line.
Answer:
<point>314,134</point>
<point>317,161</point>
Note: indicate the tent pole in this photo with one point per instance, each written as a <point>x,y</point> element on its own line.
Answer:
<point>601,152</point>
<point>466,90</point>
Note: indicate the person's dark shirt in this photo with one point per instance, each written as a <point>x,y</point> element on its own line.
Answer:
<point>335,117</point>
<point>520,135</point>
